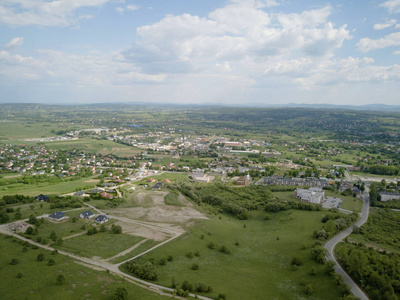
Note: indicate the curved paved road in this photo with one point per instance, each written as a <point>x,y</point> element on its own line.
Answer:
<point>330,245</point>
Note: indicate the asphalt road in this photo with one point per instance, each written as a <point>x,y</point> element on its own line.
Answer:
<point>330,245</point>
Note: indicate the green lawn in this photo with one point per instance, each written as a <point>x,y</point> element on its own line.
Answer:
<point>141,248</point>
<point>38,280</point>
<point>47,188</point>
<point>259,267</point>
<point>102,244</point>
<point>62,229</point>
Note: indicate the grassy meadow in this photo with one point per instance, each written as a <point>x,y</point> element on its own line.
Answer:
<point>258,266</point>
<point>38,279</point>
<point>102,244</point>
<point>47,188</point>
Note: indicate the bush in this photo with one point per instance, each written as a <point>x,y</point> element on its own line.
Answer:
<point>189,255</point>
<point>170,258</point>
<point>308,289</point>
<point>14,261</point>
<point>60,279</point>
<point>186,286</point>
<point>51,262</point>
<point>40,257</point>
<point>211,245</point>
<point>297,261</point>
<point>225,250</point>
<point>195,267</point>
<point>116,229</point>
<point>197,253</point>
<point>162,262</point>
<point>313,271</point>
<point>121,293</point>
<point>20,275</point>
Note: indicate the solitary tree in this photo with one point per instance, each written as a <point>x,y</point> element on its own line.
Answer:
<point>121,293</point>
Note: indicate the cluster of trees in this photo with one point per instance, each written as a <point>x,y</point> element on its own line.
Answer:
<point>333,223</point>
<point>13,199</point>
<point>383,227</point>
<point>377,272</point>
<point>382,170</point>
<point>236,202</point>
<point>143,269</point>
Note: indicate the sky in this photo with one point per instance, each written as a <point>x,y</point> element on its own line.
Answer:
<point>238,52</point>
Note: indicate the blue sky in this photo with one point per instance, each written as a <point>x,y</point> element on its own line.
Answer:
<point>228,52</point>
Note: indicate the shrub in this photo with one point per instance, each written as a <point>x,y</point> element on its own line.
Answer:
<point>308,289</point>
<point>211,245</point>
<point>14,261</point>
<point>195,267</point>
<point>197,253</point>
<point>297,261</point>
<point>189,255</point>
<point>60,279</point>
<point>170,258</point>
<point>20,275</point>
<point>225,250</point>
<point>116,229</point>
<point>186,286</point>
<point>51,262</point>
<point>162,262</point>
<point>313,271</point>
<point>121,293</point>
<point>40,257</point>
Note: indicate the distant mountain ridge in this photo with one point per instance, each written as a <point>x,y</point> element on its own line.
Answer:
<point>366,107</point>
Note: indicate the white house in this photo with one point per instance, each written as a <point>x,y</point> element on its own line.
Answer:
<point>86,215</point>
<point>101,219</point>
<point>313,195</point>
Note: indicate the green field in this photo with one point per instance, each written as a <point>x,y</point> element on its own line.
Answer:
<point>39,279</point>
<point>95,146</point>
<point>102,244</point>
<point>169,176</point>
<point>141,248</point>
<point>47,188</point>
<point>257,268</point>
<point>12,130</point>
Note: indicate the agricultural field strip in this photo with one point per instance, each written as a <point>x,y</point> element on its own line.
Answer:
<point>112,268</point>
<point>127,250</point>
<point>330,245</point>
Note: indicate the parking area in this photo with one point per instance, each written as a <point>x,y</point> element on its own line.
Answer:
<point>330,202</point>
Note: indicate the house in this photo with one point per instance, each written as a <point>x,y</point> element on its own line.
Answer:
<point>96,191</point>
<point>42,197</point>
<point>313,195</point>
<point>57,216</point>
<point>86,215</point>
<point>106,195</point>
<point>389,196</point>
<point>101,219</point>
<point>243,180</point>
<point>157,186</point>
<point>79,193</point>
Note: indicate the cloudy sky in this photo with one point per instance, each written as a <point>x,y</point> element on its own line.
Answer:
<point>192,51</point>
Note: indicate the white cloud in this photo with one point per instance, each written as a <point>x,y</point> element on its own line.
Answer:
<point>240,33</point>
<point>392,5</point>
<point>396,52</point>
<point>367,44</point>
<point>388,24</point>
<point>132,7</point>
<point>44,13</point>
<point>15,42</point>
